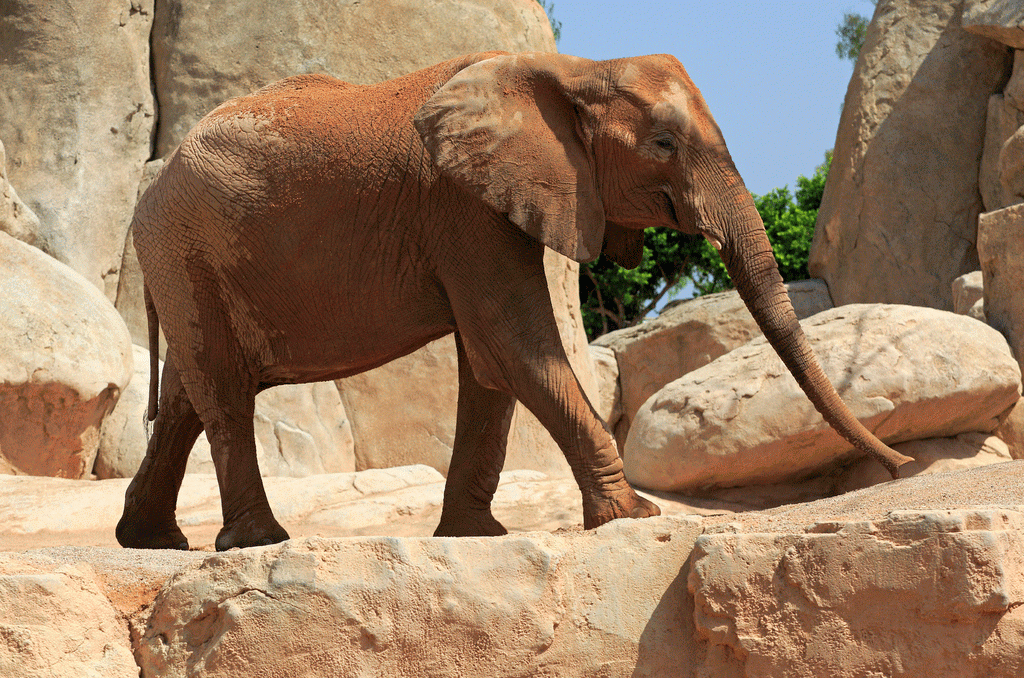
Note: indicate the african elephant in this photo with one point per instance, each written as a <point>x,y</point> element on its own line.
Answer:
<point>316,229</point>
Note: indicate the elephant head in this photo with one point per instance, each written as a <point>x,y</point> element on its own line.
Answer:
<point>585,155</point>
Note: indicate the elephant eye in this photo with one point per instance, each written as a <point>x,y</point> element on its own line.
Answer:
<point>665,142</point>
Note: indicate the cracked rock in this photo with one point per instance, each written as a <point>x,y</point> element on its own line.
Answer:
<point>862,598</point>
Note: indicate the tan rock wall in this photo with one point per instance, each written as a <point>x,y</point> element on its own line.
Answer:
<point>922,577</point>
<point>898,217</point>
<point>77,125</point>
<point>927,588</point>
<point>360,42</point>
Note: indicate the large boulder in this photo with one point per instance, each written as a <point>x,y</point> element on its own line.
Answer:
<point>898,218</point>
<point>686,336</point>
<point>906,372</point>
<point>534,604</point>
<point>77,116</point>
<point>360,42</point>
<point>913,593</point>
<point>65,358</point>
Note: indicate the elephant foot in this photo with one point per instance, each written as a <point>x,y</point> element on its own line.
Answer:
<point>256,531</point>
<point>602,505</point>
<point>134,533</point>
<point>469,524</point>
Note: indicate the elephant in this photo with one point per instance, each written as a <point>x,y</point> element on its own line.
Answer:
<point>315,229</point>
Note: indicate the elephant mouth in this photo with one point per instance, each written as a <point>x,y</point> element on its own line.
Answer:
<point>669,204</point>
<point>669,201</point>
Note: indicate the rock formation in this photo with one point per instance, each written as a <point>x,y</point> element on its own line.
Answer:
<point>899,214</point>
<point>66,358</point>
<point>825,568</point>
<point>686,336</point>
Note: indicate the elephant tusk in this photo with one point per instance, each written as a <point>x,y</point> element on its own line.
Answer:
<point>715,242</point>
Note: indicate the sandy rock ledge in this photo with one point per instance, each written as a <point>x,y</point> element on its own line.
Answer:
<point>918,577</point>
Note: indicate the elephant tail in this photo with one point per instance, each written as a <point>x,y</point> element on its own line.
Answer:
<point>153,323</point>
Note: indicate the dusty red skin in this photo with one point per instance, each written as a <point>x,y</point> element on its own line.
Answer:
<point>316,229</point>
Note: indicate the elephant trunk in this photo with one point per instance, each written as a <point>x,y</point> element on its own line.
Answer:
<point>748,256</point>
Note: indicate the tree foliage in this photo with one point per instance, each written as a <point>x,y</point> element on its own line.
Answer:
<point>556,26</point>
<point>612,297</point>
<point>851,32</point>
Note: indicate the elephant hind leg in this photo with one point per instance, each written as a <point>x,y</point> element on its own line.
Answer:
<point>481,434</point>
<point>227,395</point>
<point>149,504</point>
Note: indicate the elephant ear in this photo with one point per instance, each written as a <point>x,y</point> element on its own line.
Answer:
<point>624,246</point>
<point>506,130</point>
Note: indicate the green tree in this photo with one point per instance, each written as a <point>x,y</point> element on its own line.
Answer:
<point>612,297</point>
<point>851,32</point>
<point>556,26</point>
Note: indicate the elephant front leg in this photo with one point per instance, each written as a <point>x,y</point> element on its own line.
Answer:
<point>481,435</point>
<point>512,342</point>
<point>545,383</point>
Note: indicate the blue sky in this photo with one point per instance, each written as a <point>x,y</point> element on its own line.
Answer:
<point>768,70</point>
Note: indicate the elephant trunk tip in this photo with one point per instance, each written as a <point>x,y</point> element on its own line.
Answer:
<point>890,459</point>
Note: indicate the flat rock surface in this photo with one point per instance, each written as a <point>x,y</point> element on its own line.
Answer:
<point>38,512</point>
<point>653,597</point>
